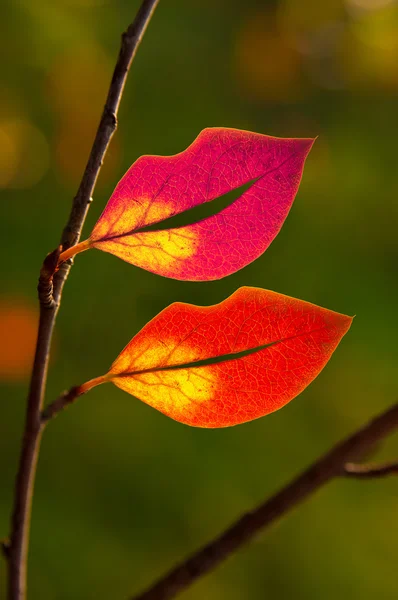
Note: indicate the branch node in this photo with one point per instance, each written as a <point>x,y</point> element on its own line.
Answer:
<point>5,548</point>
<point>127,37</point>
<point>111,118</point>
<point>45,284</point>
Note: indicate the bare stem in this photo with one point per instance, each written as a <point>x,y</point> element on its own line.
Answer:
<point>73,250</point>
<point>19,538</point>
<point>356,471</point>
<point>68,397</point>
<point>50,291</point>
<point>327,467</point>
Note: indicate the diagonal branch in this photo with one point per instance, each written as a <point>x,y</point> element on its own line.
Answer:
<point>50,290</point>
<point>242,531</point>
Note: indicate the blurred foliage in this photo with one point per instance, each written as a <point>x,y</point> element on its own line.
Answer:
<point>122,491</point>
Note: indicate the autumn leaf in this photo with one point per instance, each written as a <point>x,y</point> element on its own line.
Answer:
<point>229,363</point>
<point>156,188</point>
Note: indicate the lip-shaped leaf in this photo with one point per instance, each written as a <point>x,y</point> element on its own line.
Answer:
<point>218,161</point>
<point>263,348</point>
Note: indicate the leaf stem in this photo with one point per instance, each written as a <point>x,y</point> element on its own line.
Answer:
<point>50,290</point>
<point>70,396</point>
<point>73,250</point>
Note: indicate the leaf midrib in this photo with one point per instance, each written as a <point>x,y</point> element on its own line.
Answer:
<point>231,356</point>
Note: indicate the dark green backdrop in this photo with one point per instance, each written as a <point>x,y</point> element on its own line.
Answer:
<point>122,491</point>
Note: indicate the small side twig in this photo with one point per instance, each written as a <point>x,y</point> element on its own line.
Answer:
<point>50,291</point>
<point>63,400</point>
<point>242,531</point>
<point>68,397</point>
<point>5,548</point>
<point>357,471</point>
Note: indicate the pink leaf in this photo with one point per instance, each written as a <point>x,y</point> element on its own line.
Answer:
<point>218,161</point>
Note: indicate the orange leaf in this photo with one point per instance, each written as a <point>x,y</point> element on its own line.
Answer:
<point>229,363</point>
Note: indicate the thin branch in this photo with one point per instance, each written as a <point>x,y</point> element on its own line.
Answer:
<point>50,290</point>
<point>242,531</point>
<point>68,397</point>
<point>356,471</point>
<point>130,42</point>
<point>59,404</point>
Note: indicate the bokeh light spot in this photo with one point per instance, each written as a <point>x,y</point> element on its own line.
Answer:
<point>367,5</point>
<point>306,15</point>
<point>18,329</point>
<point>77,85</point>
<point>369,53</point>
<point>24,154</point>
<point>267,63</point>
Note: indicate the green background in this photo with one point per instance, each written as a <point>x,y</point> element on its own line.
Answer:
<point>123,492</point>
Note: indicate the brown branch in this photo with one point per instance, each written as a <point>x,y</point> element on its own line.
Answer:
<point>50,290</point>
<point>242,531</point>
<point>68,397</point>
<point>356,471</point>
<point>59,404</point>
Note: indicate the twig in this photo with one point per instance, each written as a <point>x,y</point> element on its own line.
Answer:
<point>323,470</point>
<point>68,397</point>
<point>59,404</point>
<point>356,471</point>
<point>50,290</point>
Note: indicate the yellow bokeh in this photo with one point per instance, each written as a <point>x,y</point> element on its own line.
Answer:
<point>305,16</point>
<point>78,81</point>
<point>267,64</point>
<point>24,154</point>
<point>77,85</point>
<point>360,6</point>
<point>368,55</point>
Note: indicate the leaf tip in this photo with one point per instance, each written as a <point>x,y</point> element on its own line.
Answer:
<point>306,144</point>
<point>345,322</point>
